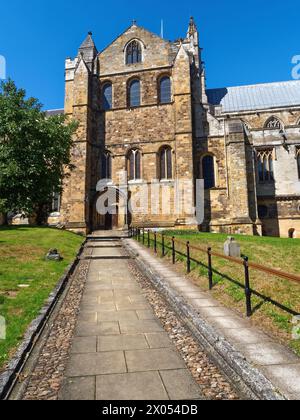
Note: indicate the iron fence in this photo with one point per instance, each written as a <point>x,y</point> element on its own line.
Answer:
<point>152,238</point>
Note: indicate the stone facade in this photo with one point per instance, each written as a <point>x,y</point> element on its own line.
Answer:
<point>192,125</point>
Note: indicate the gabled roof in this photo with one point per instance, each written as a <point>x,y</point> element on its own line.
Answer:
<point>138,27</point>
<point>256,97</point>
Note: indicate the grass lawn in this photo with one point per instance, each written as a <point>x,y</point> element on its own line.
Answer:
<point>282,254</point>
<point>22,262</point>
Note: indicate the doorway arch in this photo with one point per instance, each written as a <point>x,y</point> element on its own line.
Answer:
<point>292,233</point>
<point>114,215</point>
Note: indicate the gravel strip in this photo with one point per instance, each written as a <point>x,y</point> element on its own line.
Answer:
<point>213,383</point>
<point>47,376</point>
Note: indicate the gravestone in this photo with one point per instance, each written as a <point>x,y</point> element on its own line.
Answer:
<point>232,248</point>
<point>54,255</point>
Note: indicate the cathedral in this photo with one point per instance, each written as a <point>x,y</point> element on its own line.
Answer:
<point>143,109</point>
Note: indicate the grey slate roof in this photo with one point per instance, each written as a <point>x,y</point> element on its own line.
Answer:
<point>51,112</point>
<point>256,97</point>
<point>88,42</point>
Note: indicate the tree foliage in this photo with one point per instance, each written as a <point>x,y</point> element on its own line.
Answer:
<point>34,151</point>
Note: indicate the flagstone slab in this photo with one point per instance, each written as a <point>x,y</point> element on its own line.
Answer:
<point>153,359</point>
<point>143,386</point>
<point>122,342</point>
<point>91,364</point>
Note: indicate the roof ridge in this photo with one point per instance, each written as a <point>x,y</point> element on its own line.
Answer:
<point>55,109</point>
<point>255,85</point>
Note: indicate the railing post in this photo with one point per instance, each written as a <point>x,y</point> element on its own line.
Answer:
<point>173,250</point>
<point>210,271</point>
<point>248,292</point>
<point>155,242</point>
<point>188,258</point>
<point>143,236</point>
<point>139,234</point>
<point>148,238</point>
<point>163,245</point>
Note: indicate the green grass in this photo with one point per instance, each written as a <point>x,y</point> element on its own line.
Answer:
<point>22,262</point>
<point>281,254</point>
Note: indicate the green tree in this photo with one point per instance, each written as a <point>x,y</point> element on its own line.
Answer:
<point>34,152</point>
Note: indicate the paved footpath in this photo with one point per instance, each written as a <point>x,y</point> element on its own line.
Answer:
<point>120,350</point>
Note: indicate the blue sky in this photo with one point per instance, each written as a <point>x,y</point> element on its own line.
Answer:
<point>244,42</point>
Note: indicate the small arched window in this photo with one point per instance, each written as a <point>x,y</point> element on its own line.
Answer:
<point>134,165</point>
<point>273,123</point>
<point>298,160</point>
<point>165,94</point>
<point>207,171</point>
<point>134,53</point>
<point>56,200</point>
<point>265,165</point>
<point>106,163</point>
<point>165,163</point>
<point>107,96</point>
<point>134,93</point>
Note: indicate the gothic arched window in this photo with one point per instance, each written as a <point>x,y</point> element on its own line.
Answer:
<point>134,165</point>
<point>165,94</point>
<point>134,53</point>
<point>273,123</point>
<point>106,162</point>
<point>265,165</point>
<point>134,93</point>
<point>165,163</point>
<point>298,159</point>
<point>107,96</point>
<point>208,172</point>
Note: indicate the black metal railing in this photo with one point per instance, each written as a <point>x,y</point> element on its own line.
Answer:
<point>141,234</point>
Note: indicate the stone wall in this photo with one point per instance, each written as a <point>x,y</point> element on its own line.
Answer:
<point>189,125</point>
